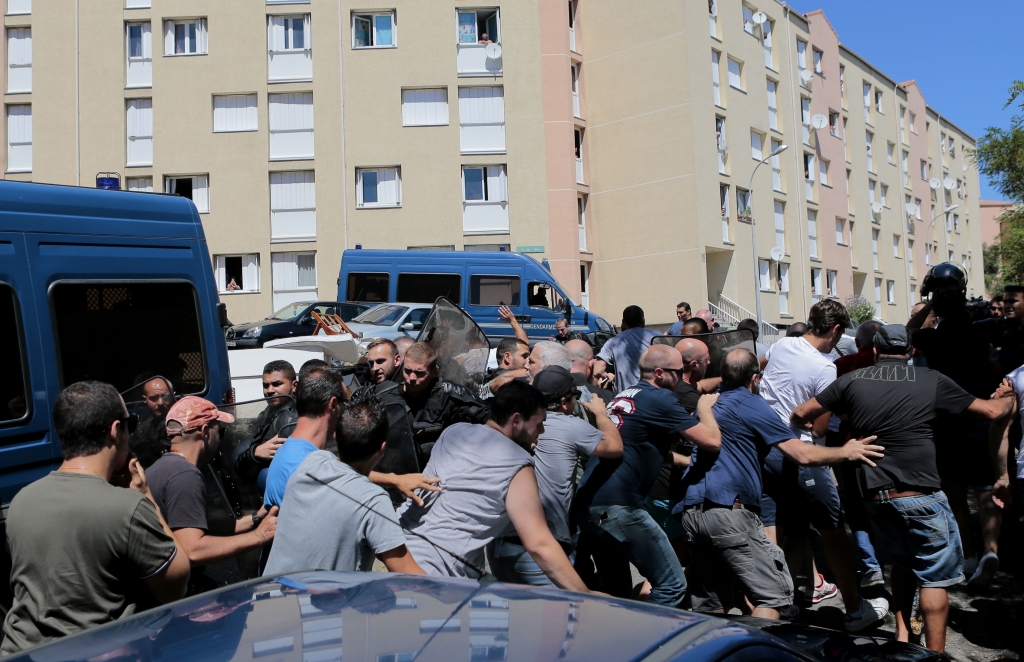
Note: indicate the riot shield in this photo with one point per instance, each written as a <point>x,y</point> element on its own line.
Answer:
<point>461,346</point>
<point>719,344</point>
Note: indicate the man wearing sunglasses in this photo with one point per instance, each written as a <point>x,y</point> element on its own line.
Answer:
<point>150,440</point>
<point>83,551</point>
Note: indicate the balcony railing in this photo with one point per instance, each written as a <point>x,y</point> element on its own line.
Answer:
<point>472,60</point>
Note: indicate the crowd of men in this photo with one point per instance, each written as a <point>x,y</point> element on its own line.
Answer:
<point>564,469</point>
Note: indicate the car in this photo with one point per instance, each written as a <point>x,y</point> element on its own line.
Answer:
<point>382,617</point>
<point>293,320</point>
<point>392,320</point>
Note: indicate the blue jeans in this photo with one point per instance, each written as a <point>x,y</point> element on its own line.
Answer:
<point>514,565</point>
<point>621,535</point>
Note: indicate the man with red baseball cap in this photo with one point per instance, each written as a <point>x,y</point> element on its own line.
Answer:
<point>194,428</point>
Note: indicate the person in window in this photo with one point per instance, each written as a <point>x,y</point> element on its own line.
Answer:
<point>484,39</point>
<point>233,286</point>
<point>150,440</point>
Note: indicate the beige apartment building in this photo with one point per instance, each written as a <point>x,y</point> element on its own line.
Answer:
<point>606,147</point>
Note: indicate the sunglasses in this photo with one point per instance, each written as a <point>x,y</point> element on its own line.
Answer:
<point>131,421</point>
<point>678,372</point>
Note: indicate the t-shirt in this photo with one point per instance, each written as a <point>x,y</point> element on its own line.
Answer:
<point>476,464</point>
<point>623,351</point>
<point>287,458</point>
<point>669,474</point>
<point>676,329</point>
<point>320,529</point>
<point>901,404</point>
<point>564,438</point>
<point>1017,379</point>
<point>863,358</point>
<point>960,350</point>
<point>796,372</point>
<point>178,488</point>
<point>649,420</point>
<point>749,429</point>
<point>80,550</point>
<point>150,441</point>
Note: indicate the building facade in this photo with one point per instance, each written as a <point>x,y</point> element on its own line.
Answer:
<point>605,147</point>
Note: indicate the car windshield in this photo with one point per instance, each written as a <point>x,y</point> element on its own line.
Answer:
<point>291,311</point>
<point>384,315</point>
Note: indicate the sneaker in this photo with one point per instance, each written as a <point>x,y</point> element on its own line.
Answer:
<point>872,579</point>
<point>982,576</point>
<point>789,613</point>
<point>970,565</point>
<point>871,612</point>
<point>822,591</point>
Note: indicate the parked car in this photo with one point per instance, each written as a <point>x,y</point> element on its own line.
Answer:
<point>382,617</point>
<point>392,320</point>
<point>292,320</point>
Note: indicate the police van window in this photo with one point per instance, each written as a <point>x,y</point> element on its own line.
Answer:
<point>368,287</point>
<point>13,391</point>
<point>425,288</point>
<point>543,295</point>
<point>494,290</point>
<point>120,333</point>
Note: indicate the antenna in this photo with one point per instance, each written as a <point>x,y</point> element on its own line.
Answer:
<point>760,18</point>
<point>877,207</point>
<point>806,78</point>
<point>911,208</point>
<point>493,51</point>
<point>934,183</point>
<point>819,121</point>
<point>948,184</point>
<point>777,254</point>
<point>963,166</point>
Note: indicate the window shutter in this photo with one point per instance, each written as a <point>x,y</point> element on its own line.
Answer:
<point>202,43</point>
<point>307,33</point>
<point>291,125</point>
<point>285,271</point>
<point>221,271</point>
<point>168,38</point>
<point>201,192</point>
<point>497,185</point>
<point>425,107</point>
<point>251,274</point>
<point>275,33</point>
<point>387,186</point>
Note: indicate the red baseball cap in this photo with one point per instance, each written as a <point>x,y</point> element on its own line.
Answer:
<point>192,413</point>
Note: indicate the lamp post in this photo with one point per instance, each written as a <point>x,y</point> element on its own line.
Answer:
<point>753,235</point>
<point>942,213</point>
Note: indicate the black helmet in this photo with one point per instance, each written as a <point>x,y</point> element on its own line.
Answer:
<point>945,276</point>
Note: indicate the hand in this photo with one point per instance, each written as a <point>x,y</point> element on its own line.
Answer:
<point>707,401</point>
<point>1005,390</point>
<point>262,512</point>
<point>506,314</point>
<point>268,449</point>
<point>268,527</point>
<point>605,380</point>
<point>138,483</point>
<point>407,484</point>
<point>1002,495</point>
<point>506,377</point>
<point>862,450</point>
<point>596,406</point>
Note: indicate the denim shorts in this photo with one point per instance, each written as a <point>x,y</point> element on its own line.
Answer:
<point>920,533</point>
<point>662,514</point>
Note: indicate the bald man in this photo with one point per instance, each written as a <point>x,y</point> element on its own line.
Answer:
<point>582,355</point>
<point>610,501</point>
<point>708,318</point>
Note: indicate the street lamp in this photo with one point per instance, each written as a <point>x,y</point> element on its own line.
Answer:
<point>753,235</point>
<point>942,213</point>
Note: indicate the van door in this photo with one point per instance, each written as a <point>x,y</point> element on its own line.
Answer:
<point>489,288</point>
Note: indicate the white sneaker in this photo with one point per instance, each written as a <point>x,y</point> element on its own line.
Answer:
<point>982,576</point>
<point>871,611</point>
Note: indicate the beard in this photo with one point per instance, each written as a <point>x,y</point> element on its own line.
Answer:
<point>524,440</point>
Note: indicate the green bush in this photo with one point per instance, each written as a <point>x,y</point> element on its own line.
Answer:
<point>861,310</point>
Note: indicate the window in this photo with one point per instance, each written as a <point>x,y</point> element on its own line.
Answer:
<point>713,16</point>
<point>816,289</point>
<point>867,103</point>
<point>723,147</point>
<point>723,198</point>
<point>289,49</point>
<point>494,290</point>
<point>913,120</point>
<point>809,175</point>
<point>885,195</point>
<point>767,28</point>
<point>19,138</point>
<point>105,331</point>
<point>783,288</point>
<point>917,208</point>
<point>19,60</point>
<point>764,275</point>
<point>816,57</point>
<point>572,26</point>
<point>878,297</point>
<point>903,125</point>
<point>890,292</point>
<point>748,19</point>
<point>578,137</point>
<point>874,249</point>
<point>293,277</point>
<point>756,143</point>
<point>479,26</point>
<point>949,257</point>
<point>896,245</point>
<point>823,169</point>
<point>425,107</point>
<point>842,83</point>
<point>869,139</point>
<point>876,209</point>
<point>832,283</point>
<point>196,189</point>
<point>742,204</point>
<point>292,206</point>
<point>581,220</point>
<point>849,200</point>
<point>138,4</point>
<point>735,74</point>
<point>185,37</point>
<point>426,288</point>
<point>841,232</point>
<point>812,233</point>
<point>776,166</point>
<point>378,187</point>
<point>853,249</point>
<point>14,392</point>
<point>773,105</point>
<point>942,147</point>
<point>780,225</point>
<point>890,150</point>
<point>291,125</point>
<point>833,123</point>
<point>956,223</point>
<point>139,45</point>
<point>140,132</point>
<point>878,101</point>
<point>484,200</point>
<point>543,295</point>
<point>952,151</point>
<point>927,255</point>
<point>374,30</point>
<point>716,78</point>
<point>238,273</point>
<point>905,168</point>
<point>574,71</point>
<point>910,257</point>
<point>482,120</point>
<point>801,55</point>
<point>19,7</point>
<point>234,112</point>
<point>367,287</point>
<point>805,119</point>
<point>924,170</point>
<point>140,184</point>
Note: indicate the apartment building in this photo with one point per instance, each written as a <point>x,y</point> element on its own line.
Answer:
<point>608,149</point>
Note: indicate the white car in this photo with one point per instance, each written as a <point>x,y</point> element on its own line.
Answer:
<point>391,321</point>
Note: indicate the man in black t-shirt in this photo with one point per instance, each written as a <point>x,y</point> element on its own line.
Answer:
<point>901,404</point>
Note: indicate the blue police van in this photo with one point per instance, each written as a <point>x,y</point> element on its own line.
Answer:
<point>104,285</point>
<point>478,282</point>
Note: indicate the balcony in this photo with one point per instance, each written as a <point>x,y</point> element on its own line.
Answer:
<point>473,60</point>
<point>484,217</point>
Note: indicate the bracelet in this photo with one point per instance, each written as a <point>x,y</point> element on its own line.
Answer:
<point>255,520</point>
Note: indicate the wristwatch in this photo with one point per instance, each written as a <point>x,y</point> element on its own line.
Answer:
<point>256,519</point>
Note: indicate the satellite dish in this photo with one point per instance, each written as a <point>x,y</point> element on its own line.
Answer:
<point>806,77</point>
<point>948,184</point>
<point>934,183</point>
<point>877,207</point>
<point>760,18</point>
<point>777,253</point>
<point>911,208</point>
<point>963,166</point>
<point>493,51</point>
<point>819,121</point>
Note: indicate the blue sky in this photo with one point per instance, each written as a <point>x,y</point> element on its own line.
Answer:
<point>964,56</point>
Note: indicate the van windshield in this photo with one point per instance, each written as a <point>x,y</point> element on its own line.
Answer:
<point>291,311</point>
<point>382,315</point>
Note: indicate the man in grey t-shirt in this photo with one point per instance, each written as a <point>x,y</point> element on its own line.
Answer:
<point>565,437</point>
<point>624,350</point>
<point>332,516</point>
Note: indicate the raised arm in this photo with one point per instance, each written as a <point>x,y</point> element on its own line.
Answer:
<point>505,313</point>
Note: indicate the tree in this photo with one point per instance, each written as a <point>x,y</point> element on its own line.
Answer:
<point>1000,157</point>
<point>860,309</point>
<point>990,257</point>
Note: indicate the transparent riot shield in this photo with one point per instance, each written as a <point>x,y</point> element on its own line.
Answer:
<point>719,344</point>
<point>461,346</point>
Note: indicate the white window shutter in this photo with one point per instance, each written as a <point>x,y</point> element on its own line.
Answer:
<point>168,38</point>
<point>308,34</point>
<point>221,270</point>
<point>292,205</point>
<point>387,186</point>
<point>275,33</point>
<point>201,193</point>
<point>250,273</point>
<point>425,107</point>
<point>291,125</point>
<point>497,184</point>
<point>19,137</point>
<point>19,60</point>
<point>235,112</point>
<point>203,44</point>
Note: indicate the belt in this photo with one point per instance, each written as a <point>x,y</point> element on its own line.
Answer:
<point>710,505</point>
<point>890,494</point>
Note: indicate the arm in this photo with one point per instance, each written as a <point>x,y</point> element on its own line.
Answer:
<point>203,549</point>
<point>400,560</point>
<point>610,445</point>
<point>505,378</point>
<point>527,515</point>
<point>600,368</point>
<point>505,313</point>
<point>705,434</point>
<point>709,385</point>
<point>407,484</point>
<point>171,582</point>
<point>820,426</point>
<point>809,455</point>
<point>999,447</point>
<point>917,321</point>
<point>679,460</point>
<point>990,410</point>
<point>763,362</point>
<point>807,414</point>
